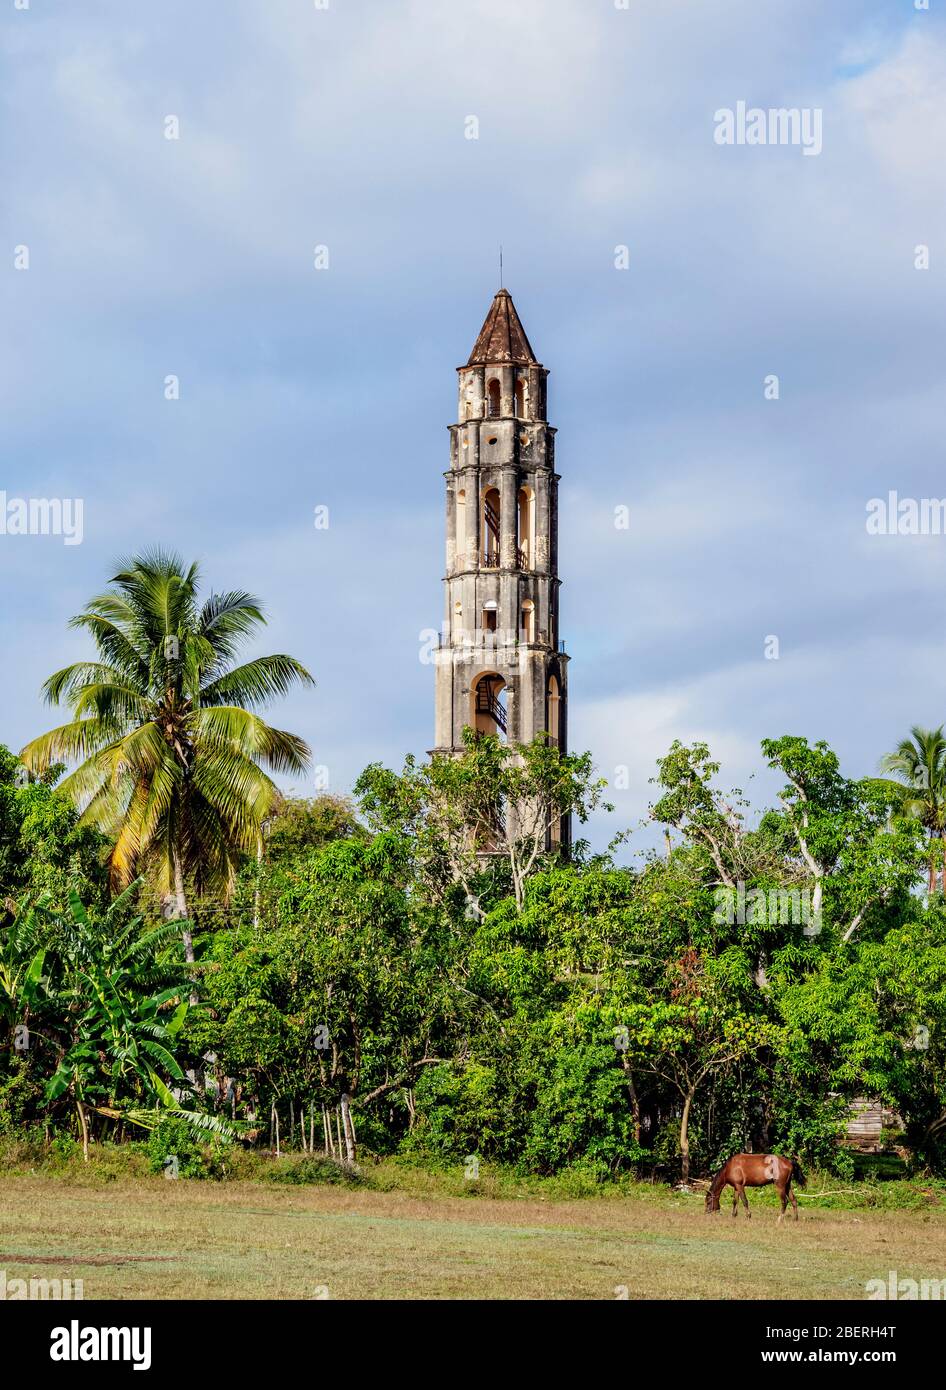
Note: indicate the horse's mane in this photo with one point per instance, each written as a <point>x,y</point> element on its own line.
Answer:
<point>717,1184</point>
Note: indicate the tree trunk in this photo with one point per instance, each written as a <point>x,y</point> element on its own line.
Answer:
<point>632,1095</point>
<point>931,880</point>
<point>180,905</point>
<point>180,913</point>
<point>259,867</point>
<point>348,1132</point>
<point>518,889</point>
<point>83,1121</point>
<point>943,871</point>
<point>685,1138</point>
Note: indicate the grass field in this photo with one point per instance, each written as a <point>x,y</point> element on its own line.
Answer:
<point>150,1238</point>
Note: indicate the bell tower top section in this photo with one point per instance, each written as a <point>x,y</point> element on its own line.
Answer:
<point>502,338</point>
<point>503,379</point>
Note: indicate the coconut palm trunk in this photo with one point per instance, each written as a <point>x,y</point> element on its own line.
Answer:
<point>179,904</point>
<point>931,872</point>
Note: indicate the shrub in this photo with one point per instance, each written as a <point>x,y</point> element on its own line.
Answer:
<point>314,1168</point>
<point>176,1149</point>
<point>21,1096</point>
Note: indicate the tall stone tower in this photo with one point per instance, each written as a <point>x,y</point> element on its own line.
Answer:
<point>501,668</point>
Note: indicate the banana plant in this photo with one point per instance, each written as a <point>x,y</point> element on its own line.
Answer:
<point>22,958</point>
<point>123,1030</point>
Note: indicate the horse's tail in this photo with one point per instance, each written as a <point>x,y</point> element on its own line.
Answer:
<point>797,1174</point>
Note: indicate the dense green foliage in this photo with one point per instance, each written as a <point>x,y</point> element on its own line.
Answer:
<point>510,1007</point>
<point>43,848</point>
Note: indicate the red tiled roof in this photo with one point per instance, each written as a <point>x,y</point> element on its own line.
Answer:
<point>502,337</point>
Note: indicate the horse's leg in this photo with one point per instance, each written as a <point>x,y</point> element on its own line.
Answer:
<point>735,1199</point>
<point>791,1193</point>
<point>783,1198</point>
<point>745,1202</point>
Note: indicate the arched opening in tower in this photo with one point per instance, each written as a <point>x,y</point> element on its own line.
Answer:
<point>489,706</point>
<point>527,621</point>
<point>491,522</point>
<point>553,715</point>
<point>493,399</point>
<point>461,525</point>
<point>520,398</point>
<point>525,506</point>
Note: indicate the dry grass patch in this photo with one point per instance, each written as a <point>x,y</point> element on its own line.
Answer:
<point>160,1239</point>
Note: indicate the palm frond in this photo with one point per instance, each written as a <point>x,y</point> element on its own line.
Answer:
<point>224,727</point>
<point>210,1124</point>
<point>62,684</point>
<point>114,630</point>
<point>68,742</point>
<point>110,700</point>
<point>256,682</point>
<point>238,790</point>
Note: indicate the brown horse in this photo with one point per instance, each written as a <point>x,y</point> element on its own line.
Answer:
<point>756,1170</point>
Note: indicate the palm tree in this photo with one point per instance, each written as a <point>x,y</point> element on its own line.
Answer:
<point>919,766</point>
<point>170,752</point>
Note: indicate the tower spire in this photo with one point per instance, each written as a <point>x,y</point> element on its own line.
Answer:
<point>502,338</point>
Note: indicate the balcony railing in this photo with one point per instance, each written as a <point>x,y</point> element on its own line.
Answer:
<point>490,560</point>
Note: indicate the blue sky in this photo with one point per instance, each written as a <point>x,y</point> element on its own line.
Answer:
<point>345,127</point>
